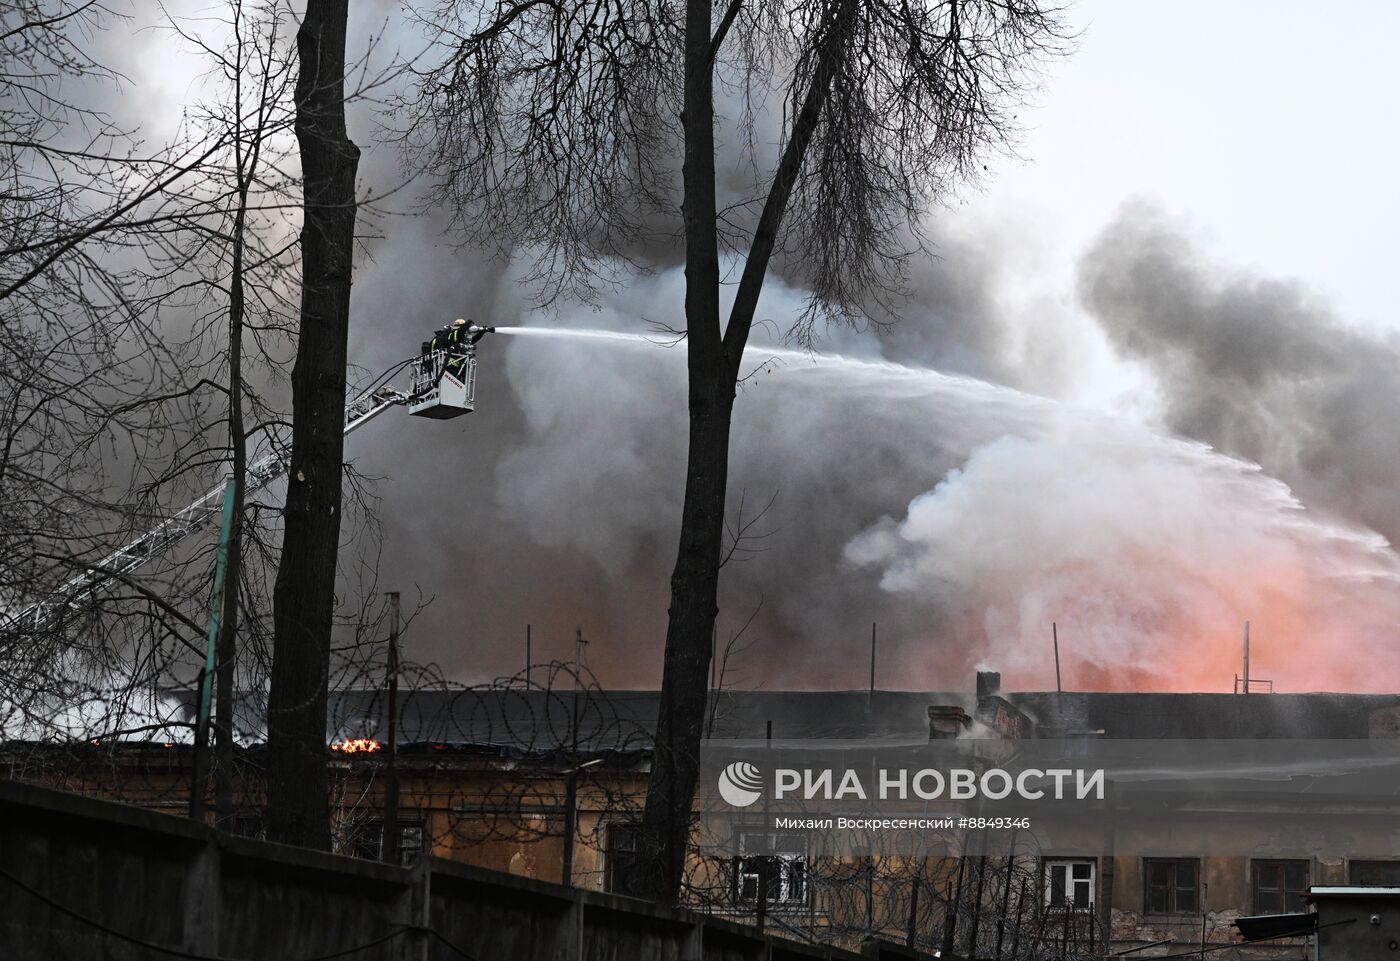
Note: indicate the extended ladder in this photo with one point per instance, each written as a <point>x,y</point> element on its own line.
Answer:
<point>169,532</point>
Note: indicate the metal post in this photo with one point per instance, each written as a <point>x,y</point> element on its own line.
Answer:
<point>1205,893</point>
<point>1005,899</point>
<point>870,699</point>
<point>1020,907</point>
<point>977,902</point>
<point>1246,657</point>
<point>571,782</point>
<point>950,918</point>
<point>528,657</point>
<point>1092,922</point>
<point>1042,920</point>
<point>579,645</point>
<point>912,929</point>
<point>869,895</point>
<point>1055,633</point>
<point>206,676</point>
<point>570,825</point>
<point>764,860</point>
<point>1107,871</point>
<point>389,846</point>
<point>766,856</point>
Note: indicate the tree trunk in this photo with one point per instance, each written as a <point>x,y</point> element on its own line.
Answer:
<point>694,587</point>
<point>304,596</point>
<point>713,372</point>
<point>226,653</point>
<point>666,818</point>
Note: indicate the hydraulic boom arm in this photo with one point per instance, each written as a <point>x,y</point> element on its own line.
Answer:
<point>169,532</point>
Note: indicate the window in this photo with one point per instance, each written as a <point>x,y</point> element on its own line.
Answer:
<point>1171,885</point>
<point>1069,885</point>
<point>621,857</point>
<point>410,842</point>
<point>1386,873</point>
<point>781,859</point>
<point>367,841</point>
<point>1279,886</point>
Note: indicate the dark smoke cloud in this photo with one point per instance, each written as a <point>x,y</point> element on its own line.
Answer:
<point>1258,367</point>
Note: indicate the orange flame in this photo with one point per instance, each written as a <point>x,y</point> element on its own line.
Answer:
<point>357,745</point>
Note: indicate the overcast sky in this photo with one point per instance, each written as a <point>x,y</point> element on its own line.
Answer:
<point>1265,125</point>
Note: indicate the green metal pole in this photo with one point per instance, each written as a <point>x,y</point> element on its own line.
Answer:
<point>206,676</point>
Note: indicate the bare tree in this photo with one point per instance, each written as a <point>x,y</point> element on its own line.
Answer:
<point>88,383</point>
<point>245,256</point>
<point>130,281</point>
<point>145,295</point>
<point>553,125</point>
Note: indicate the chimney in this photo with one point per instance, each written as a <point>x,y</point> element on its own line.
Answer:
<point>947,721</point>
<point>995,711</point>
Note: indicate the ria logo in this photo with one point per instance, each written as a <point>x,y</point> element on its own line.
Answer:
<point>740,784</point>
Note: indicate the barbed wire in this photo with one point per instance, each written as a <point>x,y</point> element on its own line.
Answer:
<point>486,772</point>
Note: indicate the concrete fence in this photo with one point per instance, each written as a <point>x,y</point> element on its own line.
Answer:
<point>82,879</point>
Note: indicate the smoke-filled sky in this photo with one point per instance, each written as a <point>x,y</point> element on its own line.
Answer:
<point>1190,252</point>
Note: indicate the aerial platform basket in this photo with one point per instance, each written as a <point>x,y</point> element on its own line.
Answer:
<point>442,389</point>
